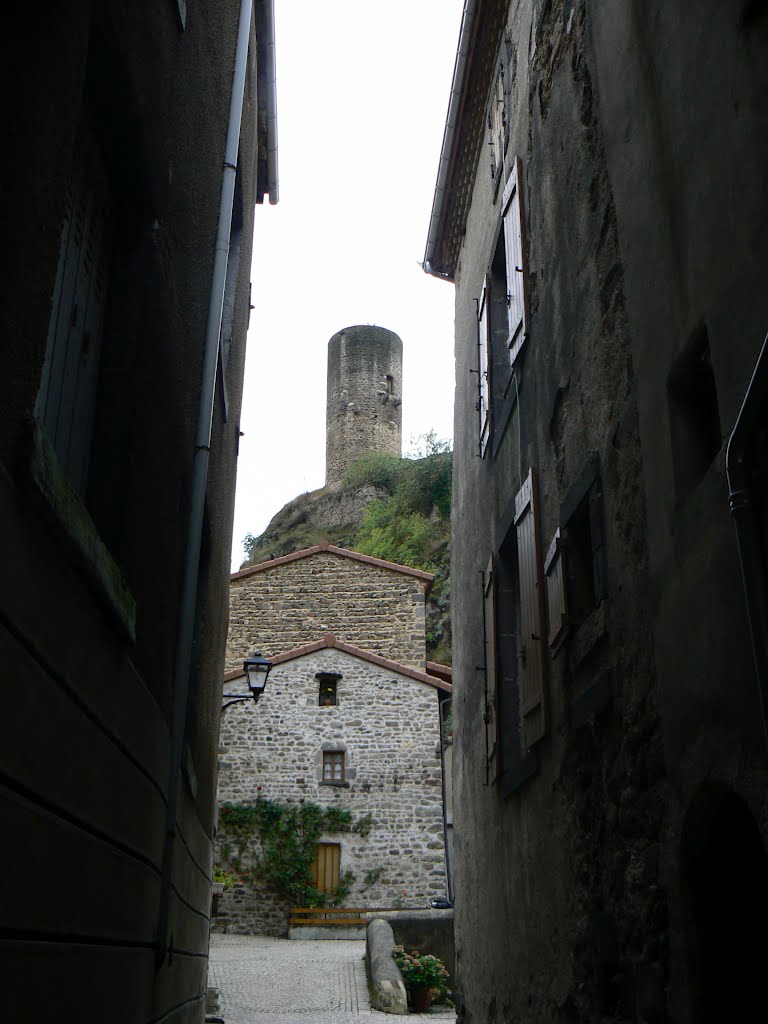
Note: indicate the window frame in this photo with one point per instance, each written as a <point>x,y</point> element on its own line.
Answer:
<point>332,758</point>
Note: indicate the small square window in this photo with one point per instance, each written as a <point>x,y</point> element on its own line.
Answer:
<point>327,695</point>
<point>333,766</point>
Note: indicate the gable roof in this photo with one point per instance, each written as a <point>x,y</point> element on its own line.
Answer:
<point>330,640</point>
<point>331,549</point>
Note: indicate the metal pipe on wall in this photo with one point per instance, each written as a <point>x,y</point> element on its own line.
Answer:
<point>186,626</point>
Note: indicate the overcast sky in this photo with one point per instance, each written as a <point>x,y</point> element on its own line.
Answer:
<point>362,94</point>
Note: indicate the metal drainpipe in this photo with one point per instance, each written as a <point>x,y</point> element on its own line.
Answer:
<point>272,182</point>
<point>186,624</point>
<point>737,464</point>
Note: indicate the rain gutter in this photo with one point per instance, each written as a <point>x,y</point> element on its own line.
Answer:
<point>738,462</point>
<point>455,104</point>
<point>273,186</point>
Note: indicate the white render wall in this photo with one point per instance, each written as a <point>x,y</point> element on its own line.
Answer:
<point>388,725</point>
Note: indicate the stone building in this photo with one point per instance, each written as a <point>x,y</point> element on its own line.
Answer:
<point>600,208</point>
<point>363,411</point>
<point>349,718</point>
<point>116,501</point>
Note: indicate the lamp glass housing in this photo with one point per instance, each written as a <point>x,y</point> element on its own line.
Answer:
<point>257,668</point>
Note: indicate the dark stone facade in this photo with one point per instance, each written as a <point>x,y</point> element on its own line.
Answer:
<point>601,754</point>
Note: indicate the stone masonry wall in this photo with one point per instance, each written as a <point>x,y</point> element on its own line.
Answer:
<point>363,412</point>
<point>298,602</point>
<point>388,726</point>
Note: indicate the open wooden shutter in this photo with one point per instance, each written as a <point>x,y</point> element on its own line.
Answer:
<point>491,686</point>
<point>557,594</point>
<point>483,350</point>
<point>533,702</point>
<point>512,214</point>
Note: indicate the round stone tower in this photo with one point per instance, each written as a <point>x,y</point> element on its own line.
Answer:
<point>363,415</point>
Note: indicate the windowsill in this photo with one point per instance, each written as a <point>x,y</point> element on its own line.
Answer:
<point>335,784</point>
<point>63,504</point>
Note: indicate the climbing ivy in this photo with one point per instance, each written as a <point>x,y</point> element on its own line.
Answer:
<point>287,836</point>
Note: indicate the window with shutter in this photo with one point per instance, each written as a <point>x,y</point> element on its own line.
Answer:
<point>512,215</point>
<point>533,696</point>
<point>483,359</point>
<point>491,682</point>
<point>66,400</point>
<point>557,595</point>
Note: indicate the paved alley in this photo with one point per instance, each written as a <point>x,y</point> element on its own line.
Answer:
<point>262,980</point>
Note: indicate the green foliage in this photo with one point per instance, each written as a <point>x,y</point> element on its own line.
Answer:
<point>364,825</point>
<point>379,469</point>
<point>371,877</point>
<point>287,835</point>
<point>342,889</point>
<point>411,526</point>
<point>420,969</point>
<point>227,878</point>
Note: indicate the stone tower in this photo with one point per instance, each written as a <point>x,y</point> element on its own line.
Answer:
<point>365,368</point>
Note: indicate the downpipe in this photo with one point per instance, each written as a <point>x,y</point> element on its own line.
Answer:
<point>741,501</point>
<point>186,625</point>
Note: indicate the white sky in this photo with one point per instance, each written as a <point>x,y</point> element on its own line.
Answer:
<point>362,94</point>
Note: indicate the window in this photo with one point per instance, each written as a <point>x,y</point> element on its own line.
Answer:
<point>66,401</point>
<point>327,696</point>
<point>326,867</point>
<point>333,766</point>
<point>575,564</point>
<point>502,319</point>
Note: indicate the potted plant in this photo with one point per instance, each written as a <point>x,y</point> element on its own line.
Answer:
<point>425,976</point>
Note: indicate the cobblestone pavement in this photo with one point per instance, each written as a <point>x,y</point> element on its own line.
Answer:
<point>288,981</point>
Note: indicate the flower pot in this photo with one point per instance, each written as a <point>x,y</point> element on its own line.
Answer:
<point>421,997</point>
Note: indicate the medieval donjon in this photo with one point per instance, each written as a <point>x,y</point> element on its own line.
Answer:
<point>365,372</point>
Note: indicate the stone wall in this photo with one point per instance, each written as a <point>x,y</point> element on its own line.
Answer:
<point>363,413</point>
<point>388,726</point>
<point>576,898</point>
<point>295,602</point>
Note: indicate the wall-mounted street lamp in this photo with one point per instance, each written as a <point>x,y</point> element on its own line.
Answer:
<point>256,668</point>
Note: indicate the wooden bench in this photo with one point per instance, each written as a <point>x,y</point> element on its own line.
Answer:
<point>324,916</point>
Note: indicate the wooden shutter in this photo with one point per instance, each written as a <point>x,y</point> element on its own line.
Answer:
<point>67,398</point>
<point>512,214</point>
<point>326,868</point>
<point>491,686</point>
<point>533,703</point>
<point>483,353</point>
<point>557,595</point>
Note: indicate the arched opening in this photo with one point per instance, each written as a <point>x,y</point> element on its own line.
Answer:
<point>724,882</point>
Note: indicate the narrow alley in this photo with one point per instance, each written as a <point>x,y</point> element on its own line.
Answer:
<point>262,979</point>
